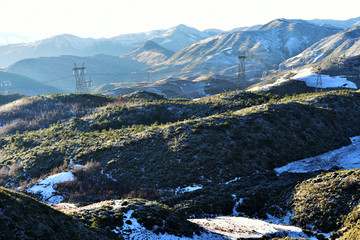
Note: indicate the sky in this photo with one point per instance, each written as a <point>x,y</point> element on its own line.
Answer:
<point>25,20</point>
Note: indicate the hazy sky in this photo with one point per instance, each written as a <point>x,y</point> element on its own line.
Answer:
<point>36,19</point>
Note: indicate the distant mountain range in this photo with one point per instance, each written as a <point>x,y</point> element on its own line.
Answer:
<point>337,23</point>
<point>100,68</point>
<point>264,48</point>
<point>181,53</point>
<point>173,39</point>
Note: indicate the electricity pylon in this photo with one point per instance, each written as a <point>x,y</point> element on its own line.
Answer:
<point>241,71</point>
<point>82,85</point>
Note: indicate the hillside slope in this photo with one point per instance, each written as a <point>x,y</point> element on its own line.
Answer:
<point>133,148</point>
<point>150,53</point>
<point>23,217</point>
<point>57,71</point>
<point>200,158</point>
<point>16,83</point>
<point>345,44</point>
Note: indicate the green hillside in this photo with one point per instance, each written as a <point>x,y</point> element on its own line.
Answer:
<point>23,217</point>
<point>143,145</point>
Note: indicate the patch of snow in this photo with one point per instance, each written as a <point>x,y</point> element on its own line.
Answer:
<point>284,220</point>
<point>188,189</point>
<point>310,79</point>
<point>206,40</point>
<point>132,229</point>
<point>79,166</point>
<point>241,227</point>
<point>347,157</point>
<point>108,175</point>
<point>233,180</point>
<point>46,187</point>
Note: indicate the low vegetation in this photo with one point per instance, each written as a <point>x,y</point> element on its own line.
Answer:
<point>143,145</point>
<point>153,216</point>
<point>22,217</point>
<point>326,200</point>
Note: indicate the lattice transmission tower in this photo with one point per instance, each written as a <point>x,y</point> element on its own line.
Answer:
<point>82,85</point>
<point>318,86</point>
<point>5,86</point>
<point>241,71</point>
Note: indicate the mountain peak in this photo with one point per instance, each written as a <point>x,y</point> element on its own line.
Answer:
<point>150,45</point>
<point>283,22</point>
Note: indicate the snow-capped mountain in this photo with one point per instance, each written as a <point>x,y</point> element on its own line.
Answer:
<point>179,37</point>
<point>343,44</point>
<point>65,44</point>
<point>264,48</point>
<point>173,39</point>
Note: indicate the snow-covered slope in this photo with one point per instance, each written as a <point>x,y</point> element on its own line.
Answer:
<point>343,44</point>
<point>246,228</point>
<point>347,157</point>
<point>45,188</point>
<point>309,76</point>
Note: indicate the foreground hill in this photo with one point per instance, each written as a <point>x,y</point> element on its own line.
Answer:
<point>206,157</point>
<point>134,141</point>
<point>33,113</point>
<point>23,217</point>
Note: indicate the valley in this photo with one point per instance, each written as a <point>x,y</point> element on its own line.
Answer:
<point>170,145</point>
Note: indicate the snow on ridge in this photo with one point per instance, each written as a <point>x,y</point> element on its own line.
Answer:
<point>46,187</point>
<point>347,157</point>
<point>267,86</point>
<point>306,75</point>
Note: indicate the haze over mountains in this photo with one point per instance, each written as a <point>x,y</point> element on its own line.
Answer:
<point>179,52</point>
